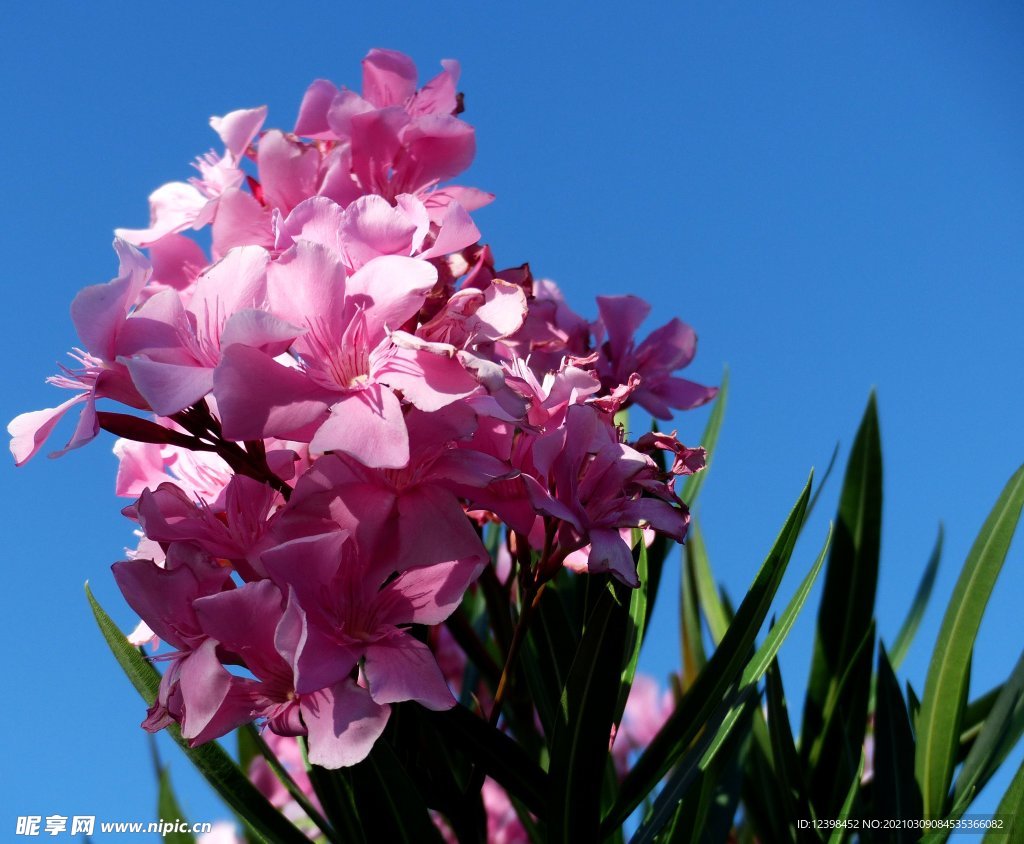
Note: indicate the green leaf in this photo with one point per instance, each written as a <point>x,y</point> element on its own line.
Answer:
<point>579,746</point>
<point>764,804</point>
<point>711,604</point>
<point>845,613</point>
<point>765,655</point>
<point>694,483</point>
<point>695,764</point>
<point>913,620</point>
<point>707,811</point>
<point>635,625</point>
<point>497,755</point>
<point>334,790</point>
<point>846,810</point>
<point>168,810</point>
<point>251,744</point>
<point>896,795</point>
<point>822,483</point>
<point>787,771</point>
<point>550,645</point>
<point>1009,812</point>
<point>973,720</point>
<point>938,725</point>
<point>264,821</point>
<point>390,805</point>
<point>998,736</point>
<point>691,630</point>
<point>722,671</point>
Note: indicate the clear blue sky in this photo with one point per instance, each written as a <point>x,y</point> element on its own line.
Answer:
<point>832,194</point>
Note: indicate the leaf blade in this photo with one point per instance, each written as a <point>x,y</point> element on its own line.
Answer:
<point>938,723</point>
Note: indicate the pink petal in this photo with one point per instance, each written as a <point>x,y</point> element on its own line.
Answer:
<point>343,724</point>
<point>609,553</point>
<point>240,221</point>
<point>30,430</point>
<point>285,404</point>
<point>172,207</point>
<point>621,316</point>
<point>457,231</point>
<point>312,120</point>
<point>170,387</point>
<point>367,425</point>
<point>306,286</point>
<point>317,219</point>
<point>260,330</point>
<point>389,77</point>
<point>429,381</point>
<point>288,170</point>
<point>433,528</point>
<point>99,311</point>
<point>177,261</point>
<point>373,227</point>
<point>441,147</point>
<point>238,128</point>
<point>403,668</point>
<point>236,281</point>
<point>395,287</point>
<point>429,594</point>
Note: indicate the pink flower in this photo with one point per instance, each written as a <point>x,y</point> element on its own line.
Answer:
<point>171,350</point>
<point>647,710</point>
<point>667,349</point>
<point>99,313</point>
<point>352,359</point>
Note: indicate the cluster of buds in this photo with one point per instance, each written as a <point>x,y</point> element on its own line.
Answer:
<point>336,400</point>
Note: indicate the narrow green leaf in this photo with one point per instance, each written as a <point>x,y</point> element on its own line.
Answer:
<point>497,755</point>
<point>776,636</point>
<point>847,603</point>
<point>787,771</point>
<point>1010,813</point>
<point>722,671</point>
<point>973,720</point>
<point>579,746</point>
<point>998,736</point>
<point>752,673</point>
<point>549,649</point>
<point>691,630</point>
<point>635,626</point>
<point>822,483</point>
<point>706,812</point>
<point>219,769</point>
<point>847,808</point>
<point>390,805</point>
<point>764,803</point>
<point>251,742</point>
<point>938,727</point>
<point>908,629</point>
<point>693,485</point>
<point>334,790</point>
<point>711,604</point>
<point>694,763</point>
<point>896,795</point>
<point>169,810</point>
<point>842,735</point>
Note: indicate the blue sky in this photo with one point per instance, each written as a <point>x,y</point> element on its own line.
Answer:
<point>832,195</point>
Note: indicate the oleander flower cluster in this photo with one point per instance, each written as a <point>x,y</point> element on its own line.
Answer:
<point>330,394</point>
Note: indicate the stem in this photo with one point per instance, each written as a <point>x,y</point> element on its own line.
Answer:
<point>531,598</point>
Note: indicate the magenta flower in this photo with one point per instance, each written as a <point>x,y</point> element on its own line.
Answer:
<point>599,485</point>
<point>665,350</point>
<point>99,313</point>
<point>348,616</point>
<point>352,359</point>
<point>171,351</point>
